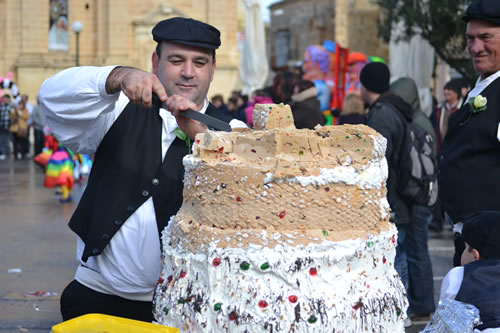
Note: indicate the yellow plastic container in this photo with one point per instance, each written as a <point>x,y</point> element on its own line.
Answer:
<point>99,323</point>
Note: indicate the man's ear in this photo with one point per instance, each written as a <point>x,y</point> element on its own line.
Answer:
<point>155,60</point>
<point>477,256</point>
<point>213,70</point>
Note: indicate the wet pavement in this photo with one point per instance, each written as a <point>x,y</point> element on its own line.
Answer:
<point>36,240</point>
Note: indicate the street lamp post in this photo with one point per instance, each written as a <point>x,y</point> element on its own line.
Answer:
<point>77,27</point>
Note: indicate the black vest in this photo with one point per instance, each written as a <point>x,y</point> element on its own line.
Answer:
<point>469,178</point>
<point>127,170</point>
<point>481,288</point>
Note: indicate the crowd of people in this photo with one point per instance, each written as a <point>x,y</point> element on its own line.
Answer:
<point>120,205</point>
<point>18,119</point>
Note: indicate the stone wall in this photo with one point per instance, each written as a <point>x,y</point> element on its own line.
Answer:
<point>351,23</point>
<point>114,32</point>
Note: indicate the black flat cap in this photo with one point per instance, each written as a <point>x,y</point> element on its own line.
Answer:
<point>487,10</point>
<point>482,232</point>
<point>187,31</point>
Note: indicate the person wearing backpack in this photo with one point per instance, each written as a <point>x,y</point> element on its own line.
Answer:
<point>421,284</point>
<point>470,162</point>
<point>381,117</point>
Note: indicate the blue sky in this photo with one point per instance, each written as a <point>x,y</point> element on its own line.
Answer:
<point>265,12</point>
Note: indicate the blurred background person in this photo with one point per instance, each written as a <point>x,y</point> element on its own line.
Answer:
<point>39,122</point>
<point>305,105</point>
<point>258,97</point>
<point>453,100</point>
<point>353,110</point>
<point>19,128</point>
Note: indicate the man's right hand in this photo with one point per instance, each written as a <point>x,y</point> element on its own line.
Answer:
<point>136,84</point>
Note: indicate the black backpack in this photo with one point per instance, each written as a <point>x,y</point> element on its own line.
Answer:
<point>417,166</point>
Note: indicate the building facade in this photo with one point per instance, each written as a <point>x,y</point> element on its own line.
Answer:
<point>296,24</point>
<point>37,40</point>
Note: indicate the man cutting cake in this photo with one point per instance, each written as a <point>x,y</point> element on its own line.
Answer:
<point>136,179</point>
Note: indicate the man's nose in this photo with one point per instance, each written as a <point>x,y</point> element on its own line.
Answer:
<point>187,70</point>
<point>476,46</point>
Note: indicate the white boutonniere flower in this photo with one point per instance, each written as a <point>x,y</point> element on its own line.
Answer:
<point>478,103</point>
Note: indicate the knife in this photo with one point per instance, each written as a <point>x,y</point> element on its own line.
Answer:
<point>211,122</point>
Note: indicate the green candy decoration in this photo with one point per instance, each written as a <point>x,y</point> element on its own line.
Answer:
<point>244,266</point>
<point>217,307</point>
<point>264,266</point>
<point>312,320</point>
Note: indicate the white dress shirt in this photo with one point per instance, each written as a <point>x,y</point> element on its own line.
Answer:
<point>80,112</point>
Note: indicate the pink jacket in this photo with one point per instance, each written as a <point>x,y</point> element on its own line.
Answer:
<point>251,104</point>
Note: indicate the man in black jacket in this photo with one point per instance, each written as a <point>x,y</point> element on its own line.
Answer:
<point>136,180</point>
<point>470,161</point>
<point>381,116</point>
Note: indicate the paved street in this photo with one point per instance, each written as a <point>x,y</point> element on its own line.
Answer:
<point>35,238</point>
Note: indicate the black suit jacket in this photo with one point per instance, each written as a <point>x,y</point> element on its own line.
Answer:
<point>469,172</point>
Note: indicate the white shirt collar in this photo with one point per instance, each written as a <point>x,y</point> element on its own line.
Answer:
<point>481,84</point>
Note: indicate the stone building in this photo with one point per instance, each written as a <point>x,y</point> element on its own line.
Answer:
<point>37,40</point>
<point>296,24</point>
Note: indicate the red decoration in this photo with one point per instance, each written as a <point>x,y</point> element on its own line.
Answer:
<point>160,280</point>
<point>216,262</point>
<point>293,299</point>
<point>384,260</point>
<point>238,199</point>
<point>282,214</point>
<point>169,279</point>
<point>313,271</point>
<point>393,239</point>
<point>182,274</point>
<point>253,150</point>
<point>357,305</point>
<point>198,141</point>
<point>263,304</point>
<point>220,150</point>
<point>233,316</point>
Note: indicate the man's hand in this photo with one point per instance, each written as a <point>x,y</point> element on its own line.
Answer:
<point>177,104</point>
<point>136,84</point>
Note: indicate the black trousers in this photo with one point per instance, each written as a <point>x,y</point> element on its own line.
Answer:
<point>78,300</point>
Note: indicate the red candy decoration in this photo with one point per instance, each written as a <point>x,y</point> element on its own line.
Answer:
<point>216,262</point>
<point>384,260</point>
<point>356,306</point>
<point>263,304</point>
<point>313,271</point>
<point>293,298</point>
<point>282,214</point>
<point>238,199</point>
<point>160,280</point>
<point>182,275</point>
<point>220,150</point>
<point>393,239</point>
<point>169,279</point>
<point>233,316</point>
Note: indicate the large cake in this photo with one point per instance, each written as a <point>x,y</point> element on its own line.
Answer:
<point>282,230</point>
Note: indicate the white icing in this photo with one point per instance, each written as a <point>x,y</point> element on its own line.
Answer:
<point>356,288</point>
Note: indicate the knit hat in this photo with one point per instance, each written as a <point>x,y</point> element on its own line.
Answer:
<point>375,77</point>
<point>481,231</point>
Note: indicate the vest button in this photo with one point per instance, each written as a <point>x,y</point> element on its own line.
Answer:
<point>105,237</point>
<point>145,193</point>
<point>155,181</point>
<point>118,222</point>
<point>130,208</point>
<point>95,250</point>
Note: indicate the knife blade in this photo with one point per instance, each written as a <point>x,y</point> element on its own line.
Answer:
<point>210,121</point>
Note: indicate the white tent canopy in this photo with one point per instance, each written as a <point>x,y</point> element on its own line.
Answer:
<point>414,59</point>
<point>253,63</point>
